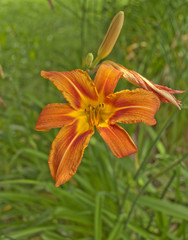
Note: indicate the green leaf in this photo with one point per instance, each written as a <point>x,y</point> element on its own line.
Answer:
<point>139,230</point>
<point>117,228</point>
<point>169,208</point>
<point>30,231</point>
<point>98,216</point>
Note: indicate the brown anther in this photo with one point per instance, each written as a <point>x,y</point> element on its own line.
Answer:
<point>94,114</point>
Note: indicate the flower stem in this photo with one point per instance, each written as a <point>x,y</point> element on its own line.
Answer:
<point>148,182</point>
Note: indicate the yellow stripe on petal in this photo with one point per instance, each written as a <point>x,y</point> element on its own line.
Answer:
<point>106,80</point>
<point>133,106</point>
<point>117,139</point>
<point>67,150</point>
<point>76,86</point>
<point>55,115</point>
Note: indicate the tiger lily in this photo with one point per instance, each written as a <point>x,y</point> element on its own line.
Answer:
<point>92,103</point>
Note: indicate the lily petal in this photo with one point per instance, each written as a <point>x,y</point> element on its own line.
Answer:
<point>117,139</point>
<point>55,115</point>
<point>76,86</point>
<point>169,91</point>
<point>106,80</point>
<point>67,150</point>
<point>164,93</point>
<point>133,106</point>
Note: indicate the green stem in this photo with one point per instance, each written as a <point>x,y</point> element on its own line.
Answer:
<point>95,62</point>
<point>114,179</point>
<point>143,164</point>
<point>82,30</point>
<point>147,183</point>
<point>162,196</point>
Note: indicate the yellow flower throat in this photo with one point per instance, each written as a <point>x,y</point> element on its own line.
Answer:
<point>94,114</point>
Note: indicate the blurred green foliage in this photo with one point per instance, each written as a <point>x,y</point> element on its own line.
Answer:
<point>107,198</point>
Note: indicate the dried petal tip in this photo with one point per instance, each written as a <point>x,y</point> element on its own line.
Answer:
<point>111,36</point>
<point>164,93</point>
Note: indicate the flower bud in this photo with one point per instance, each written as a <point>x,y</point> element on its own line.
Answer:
<point>111,36</point>
<point>89,60</point>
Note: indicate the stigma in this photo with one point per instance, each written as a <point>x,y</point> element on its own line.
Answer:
<point>94,114</point>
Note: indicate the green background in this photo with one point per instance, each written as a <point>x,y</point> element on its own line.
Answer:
<point>143,196</point>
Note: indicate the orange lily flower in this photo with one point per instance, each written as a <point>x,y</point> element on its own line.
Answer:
<point>92,104</point>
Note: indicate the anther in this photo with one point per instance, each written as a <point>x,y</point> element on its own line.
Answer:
<point>94,114</point>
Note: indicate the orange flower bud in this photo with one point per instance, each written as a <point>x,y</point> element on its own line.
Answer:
<point>111,36</point>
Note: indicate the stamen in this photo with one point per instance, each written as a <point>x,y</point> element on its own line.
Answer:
<point>87,115</point>
<point>94,114</point>
<point>90,115</point>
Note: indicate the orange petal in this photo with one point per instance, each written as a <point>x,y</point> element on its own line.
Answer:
<point>67,150</point>
<point>164,93</point>
<point>54,115</point>
<point>127,74</point>
<point>133,106</point>
<point>76,86</point>
<point>168,91</point>
<point>117,139</point>
<point>106,80</point>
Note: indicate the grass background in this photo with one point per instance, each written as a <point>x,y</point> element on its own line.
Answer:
<point>143,196</point>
